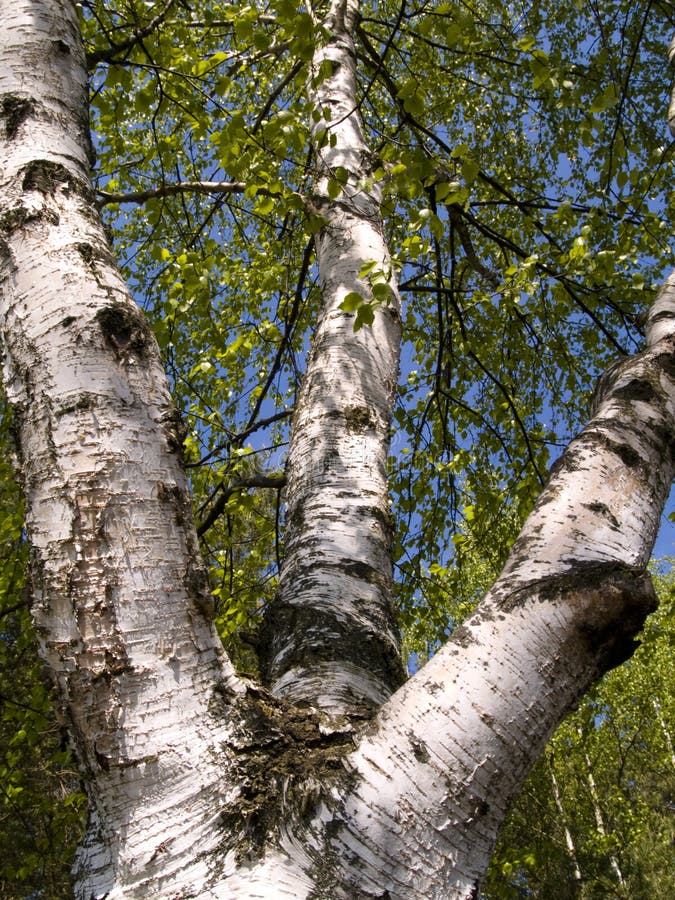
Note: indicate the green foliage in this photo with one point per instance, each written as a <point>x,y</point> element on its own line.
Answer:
<point>526,196</point>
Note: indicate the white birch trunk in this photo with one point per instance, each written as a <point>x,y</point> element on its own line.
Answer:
<point>201,785</point>
<point>120,599</point>
<point>569,840</point>
<point>600,821</point>
<point>332,633</point>
<point>664,729</point>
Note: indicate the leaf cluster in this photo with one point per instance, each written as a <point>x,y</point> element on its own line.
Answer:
<point>521,155</point>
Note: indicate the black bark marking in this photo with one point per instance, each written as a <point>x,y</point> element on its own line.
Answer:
<point>636,389</point>
<point>17,218</point>
<point>93,255</point>
<point>358,418</point>
<point>175,432</point>
<point>603,510</point>
<point>285,756</point>
<point>125,329</point>
<point>364,572</point>
<point>198,590</point>
<point>15,110</point>
<point>628,455</point>
<point>86,251</point>
<point>462,636</point>
<point>176,498</point>
<point>61,47</point>
<point>84,401</point>
<point>5,251</point>
<point>419,748</point>
<point>45,176</point>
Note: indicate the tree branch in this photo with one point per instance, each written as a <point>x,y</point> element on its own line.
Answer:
<point>171,190</point>
<point>107,54</point>
<point>241,484</point>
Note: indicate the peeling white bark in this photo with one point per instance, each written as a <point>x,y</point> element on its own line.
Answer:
<point>202,786</point>
<point>116,579</point>
<point>333,637</point>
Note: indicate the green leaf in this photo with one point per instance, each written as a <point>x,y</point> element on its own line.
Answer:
<point>364,316</point>
<point>334,188</point>
<point>608,98</point>
<point>470,169</point>
<point>352,301</point>
<point>367,268</point>
<point>525,43</point>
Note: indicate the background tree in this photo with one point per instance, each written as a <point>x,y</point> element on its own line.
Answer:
<point>311,143</point>
<point>565,838</point>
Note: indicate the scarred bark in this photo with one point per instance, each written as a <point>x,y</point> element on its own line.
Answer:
<point>202,785</point>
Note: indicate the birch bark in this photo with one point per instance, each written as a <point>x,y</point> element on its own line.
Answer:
<point>331,633</point>
<point>600,821</point>
<point>120,597</point>
<point>434,776</point>
<point>201,784</point>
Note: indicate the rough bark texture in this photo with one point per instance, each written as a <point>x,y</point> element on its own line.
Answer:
<point>202,785</point>
<point>434,776</point>
<point>120,597</point>
<point>331,635</point>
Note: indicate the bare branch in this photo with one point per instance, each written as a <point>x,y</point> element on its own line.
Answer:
<point>171,190</point>
<point>241,484</point>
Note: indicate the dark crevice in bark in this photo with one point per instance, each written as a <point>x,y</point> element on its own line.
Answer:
<point>616,610</point>
<point>320,636</point>
<point>357,418</point>
<point>198,590</point>
<point>175,433</point>
<point>603,510</point>
<point>125,329</point>
<point>47,176</point>
<point>637,389</point>
<point>15,110</point>
<point>19,217</point>
<point>93,256</point>
<point>286,758</point>
<point>666,360</point>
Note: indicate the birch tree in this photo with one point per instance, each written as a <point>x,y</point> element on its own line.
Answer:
<point>332,776</point>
